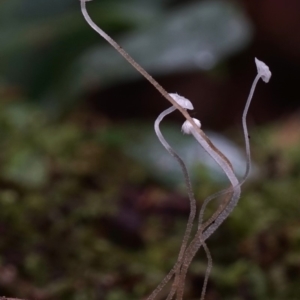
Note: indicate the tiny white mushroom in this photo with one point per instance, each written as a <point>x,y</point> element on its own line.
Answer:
<point>263,70</point>
<point>182,101</point>
<point>187,126</point>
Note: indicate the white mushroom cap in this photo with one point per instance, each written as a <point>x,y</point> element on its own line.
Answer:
<point>187,126</point>
<point>183,102</point>
<point>263,70</point>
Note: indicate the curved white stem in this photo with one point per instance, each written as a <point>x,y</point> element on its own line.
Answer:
<point>195,246</point>
<point>245,128</point>
<point>247,149</point>
<point>143,72</point>
<point>191,198</point>
<point>192,249</point>
<point>134,64</point>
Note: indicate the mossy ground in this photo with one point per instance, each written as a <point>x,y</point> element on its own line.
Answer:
<point>80,220</point>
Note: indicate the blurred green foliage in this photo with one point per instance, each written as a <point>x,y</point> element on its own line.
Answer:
<point>49,53</point>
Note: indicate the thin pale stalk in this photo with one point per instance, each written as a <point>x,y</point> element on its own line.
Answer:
<point>208,270</point>
<point>245,128</point>
<point>207,273</point>
<point>192,214</point>
<point>143,72</point>
<point>220,219</point>
<point>247,149</point>
<point>247,171</point>
<point>229,172</point>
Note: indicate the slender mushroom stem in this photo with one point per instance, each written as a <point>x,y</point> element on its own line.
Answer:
<point>191,218</point>
<point>193,248</point>
<point>143,72</point>
<point>189,191</point>
<point>180,279</point>
<point>186,179</point>
<point>265,74</point>
<point>208,270</point>
<point>247,149</point>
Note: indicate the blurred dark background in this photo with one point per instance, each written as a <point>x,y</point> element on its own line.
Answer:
<point>91,206</point>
